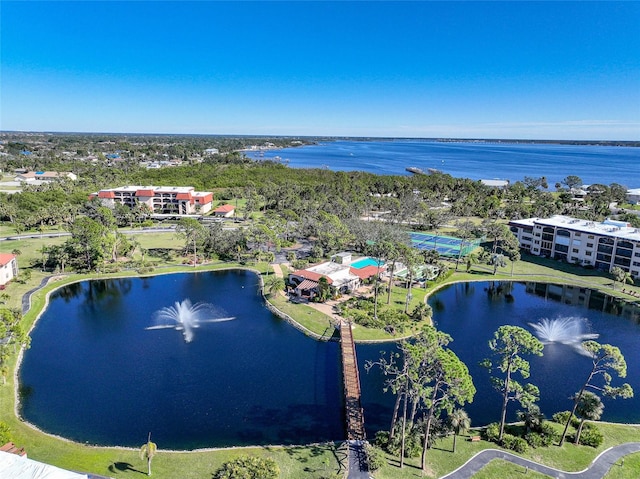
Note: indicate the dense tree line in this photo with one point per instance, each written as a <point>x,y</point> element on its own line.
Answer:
<point>317,204</point>
<point>426,201</point>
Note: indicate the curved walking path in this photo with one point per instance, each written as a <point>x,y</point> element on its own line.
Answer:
<point>596,470</point>
<point>26,298</point>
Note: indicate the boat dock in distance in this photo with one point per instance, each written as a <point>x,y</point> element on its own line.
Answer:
<point>418,171</point>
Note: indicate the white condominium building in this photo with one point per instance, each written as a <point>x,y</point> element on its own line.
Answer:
<point>601,245</point>
<point>179,200</point>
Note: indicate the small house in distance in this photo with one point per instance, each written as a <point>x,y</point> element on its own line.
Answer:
<point>633,196</point>
<point>342,258</point>
<point>224,211</point>
<point>45,176</point>
<point>8,268</point>
<point>495,183</point>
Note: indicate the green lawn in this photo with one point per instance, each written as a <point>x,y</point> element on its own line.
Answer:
<point>499,469</point>
<point>159,240</point>
<point>311,319</point>
<point>441,459</point>
<point>627,468</point>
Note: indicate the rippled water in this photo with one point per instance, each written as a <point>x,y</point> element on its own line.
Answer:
<point>475,160</point>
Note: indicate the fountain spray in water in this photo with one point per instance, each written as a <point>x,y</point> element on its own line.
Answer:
<point>184,316</point>
<point>570,331</point>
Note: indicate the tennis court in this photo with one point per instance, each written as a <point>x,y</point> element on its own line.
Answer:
<point>445,245</point>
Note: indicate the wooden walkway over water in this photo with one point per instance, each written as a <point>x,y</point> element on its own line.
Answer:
<point>353,407</point>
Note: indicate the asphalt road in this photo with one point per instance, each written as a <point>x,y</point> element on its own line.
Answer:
<point>164,229</point>
<point>596,470</point>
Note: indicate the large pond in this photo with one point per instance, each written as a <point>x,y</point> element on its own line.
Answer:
<point>96,374</point>
<point>472,312</point>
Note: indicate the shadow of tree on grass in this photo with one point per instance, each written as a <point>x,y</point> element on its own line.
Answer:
<point>124,467</point>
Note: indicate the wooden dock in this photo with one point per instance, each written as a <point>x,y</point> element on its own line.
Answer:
<point>353,406</point>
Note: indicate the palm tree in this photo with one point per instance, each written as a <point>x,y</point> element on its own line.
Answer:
<point>422,311</point>
<point>532,418</point>
<point>275,285</point>
<point>410,258</point>
<point>590,408</point>
<point>621,276</point>
<point>471,260</point>
<point>460,423</point>
<point>324,289</point>
<point>147,451</point>
<point>497,260</point>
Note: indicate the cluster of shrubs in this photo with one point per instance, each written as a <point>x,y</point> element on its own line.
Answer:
<point>536,432</point>
<point>248,466</point>
<point>375,457</point>
<point>590,435</point>
<point>360,311</point>
<point>412,441</point>
<point>413,437</point>
<point>509,441</point>
<point>540,433</point>
<point>111,268</point>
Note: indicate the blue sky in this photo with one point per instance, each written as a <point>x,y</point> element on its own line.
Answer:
<point>540,70</point>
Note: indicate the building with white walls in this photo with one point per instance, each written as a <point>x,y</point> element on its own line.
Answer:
<point>601,245</point>
<point>178,200</point>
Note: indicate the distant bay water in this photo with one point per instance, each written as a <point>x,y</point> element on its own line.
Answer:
<point>474,160</point>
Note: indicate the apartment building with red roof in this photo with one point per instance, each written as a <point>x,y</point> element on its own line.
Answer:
<point>177,200</point>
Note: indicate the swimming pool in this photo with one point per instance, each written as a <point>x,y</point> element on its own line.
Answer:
<point>364,262</point>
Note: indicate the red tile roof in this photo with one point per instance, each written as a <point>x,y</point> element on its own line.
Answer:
<point>145,193</point>
<point>183,196</point>
<point>13,449</point>
<point>311,275</point>
<point>106,194</point>
<point>366,272</point>
<point>307,284</point>
<point>224,209</point>
<point>5,258</point>
<point>203,199</point>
